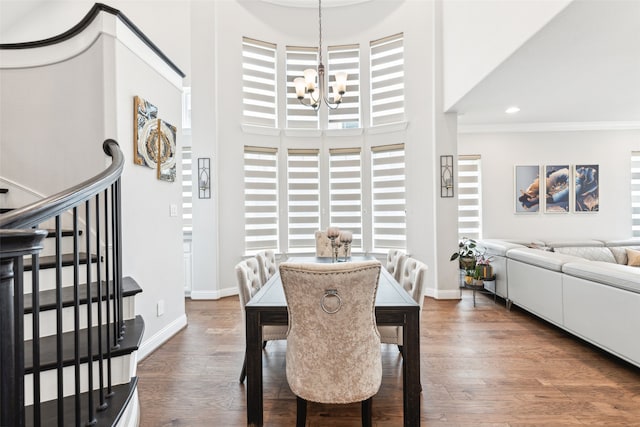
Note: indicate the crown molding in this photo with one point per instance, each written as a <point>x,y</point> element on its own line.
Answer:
<point>548,127</point>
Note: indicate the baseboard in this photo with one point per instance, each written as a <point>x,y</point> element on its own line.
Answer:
<point>149,346</point>
<point>447,294</point>
<point>227,292</point>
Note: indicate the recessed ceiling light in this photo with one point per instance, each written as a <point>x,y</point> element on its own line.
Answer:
<point>512,110</point>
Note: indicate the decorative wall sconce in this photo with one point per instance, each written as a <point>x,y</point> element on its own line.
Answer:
<point>204,178</point>
<point>446,176</point>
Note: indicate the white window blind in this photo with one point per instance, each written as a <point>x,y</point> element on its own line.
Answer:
<point>186,108</point>
<point>388,197</point>
<point>187,190</point>
<point>303,182</point>
<point>260,198</point>
<point>469,197</point>
<point>345,59</point>
<point>259,89</point>
<point>387,80</point>
<point>298,60</point>
<point>345,189</point>
<point>635,194</point>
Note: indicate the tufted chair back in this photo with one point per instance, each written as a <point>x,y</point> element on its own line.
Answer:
<point>333,346</point>
<point>395,261</point>
<point>248,278</point>
<point>412,278</point>
<point>268,267</point>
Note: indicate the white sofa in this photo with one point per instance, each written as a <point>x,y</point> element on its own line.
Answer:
<point>584,287</point>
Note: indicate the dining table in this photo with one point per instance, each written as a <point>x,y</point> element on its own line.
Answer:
<point>393,307</point>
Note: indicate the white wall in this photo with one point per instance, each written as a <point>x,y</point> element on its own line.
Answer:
<point>480,34</point>
<point>501,151</point>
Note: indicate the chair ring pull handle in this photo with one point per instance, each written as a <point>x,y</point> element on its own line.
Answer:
<point>330,293</point>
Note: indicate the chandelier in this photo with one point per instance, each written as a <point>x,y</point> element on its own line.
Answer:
<point>318,92</point>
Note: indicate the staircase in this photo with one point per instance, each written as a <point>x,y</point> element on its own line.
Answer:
<point>69,334</point>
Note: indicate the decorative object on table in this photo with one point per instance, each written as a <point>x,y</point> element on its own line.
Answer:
<point>446,176</point>
<point>204,178</point>
<point>587,189</point>
<point>333,233</point>
<point>468,276</point>
<point>466,254</point>
<point>346,237</point>
<point>154,140</point>
<point>557,186</point>
<point>527,189</point>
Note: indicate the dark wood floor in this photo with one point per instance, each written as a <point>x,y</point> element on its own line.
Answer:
<point>482,366</point>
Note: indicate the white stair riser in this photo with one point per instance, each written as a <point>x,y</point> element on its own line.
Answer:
<point>48,277</point>
<point>123,368</point>
<point>48,318</point>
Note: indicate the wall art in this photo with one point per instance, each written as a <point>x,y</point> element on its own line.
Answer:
<point>557,188</point>
<point>527,188</point>
<point>154,141</point>
<point>587,189</point>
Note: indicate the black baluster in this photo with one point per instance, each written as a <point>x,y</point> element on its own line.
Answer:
<point>59,355</point>
<point>108,293</point>
<point>76,315</point>
<point>114,267</point>
<point>103,404</point>
<point>35,316</point>
<point>91,419</point>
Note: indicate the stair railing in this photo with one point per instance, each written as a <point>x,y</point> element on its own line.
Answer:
<point>96,205</point>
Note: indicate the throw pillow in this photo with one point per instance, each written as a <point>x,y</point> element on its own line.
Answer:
<point>633,258</point>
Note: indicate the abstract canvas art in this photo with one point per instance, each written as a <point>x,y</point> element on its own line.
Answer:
<point>527,188</point>
<point>154,141</point>
<point>557,187</point>
<point>587,188</point>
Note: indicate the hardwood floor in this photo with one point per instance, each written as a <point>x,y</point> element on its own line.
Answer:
<point>482,366</point>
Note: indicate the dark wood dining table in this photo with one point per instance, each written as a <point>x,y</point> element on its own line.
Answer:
<point>394,306</point>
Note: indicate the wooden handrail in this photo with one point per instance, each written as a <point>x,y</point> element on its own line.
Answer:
<point>35,213</point>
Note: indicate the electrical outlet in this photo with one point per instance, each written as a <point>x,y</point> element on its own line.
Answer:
<point>173,210</point>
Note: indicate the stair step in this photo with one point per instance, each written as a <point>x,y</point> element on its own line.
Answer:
<point>48,298</point>
<point>49,261</point>
<point>108,417</point>
<point>134,329</point>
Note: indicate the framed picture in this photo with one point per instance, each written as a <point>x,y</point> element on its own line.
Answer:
<point>587,189</point>
<point>527,188</point>
<point>145,116</point>
<point>557,188</point>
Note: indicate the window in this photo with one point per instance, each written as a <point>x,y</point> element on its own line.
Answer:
<point>345,189</point>
<point>345,59</point>
<point>260,198</point>
<point>298,60</point>
<point>187,190</point>
<point>388,197</point>
<point>259,90</point>
<point>387,80</point>
<point>469,197</point>
<point>186,109</point>
<point>303,185</point>
<point>635,194</point>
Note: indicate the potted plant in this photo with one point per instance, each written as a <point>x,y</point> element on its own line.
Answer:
<point>469,276</point>
<point>483,265</point>
<point>477,276</point>
<point>466,254</point>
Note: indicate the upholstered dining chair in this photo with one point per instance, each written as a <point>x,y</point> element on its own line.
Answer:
<point>395,261</point>
<point>267,261</point>
<point>333,348</point>
<point>412,278</point>
<point>324,249</point>
<point>249,282</point>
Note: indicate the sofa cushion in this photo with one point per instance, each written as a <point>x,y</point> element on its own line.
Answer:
<point>633,257</point>
<point>497,246</point>
<point>625,242</point>
<point>620,254</point>
<point>564,243</point>
<point>549,260</point>
<point>619,276</point>
<point>589,252</point>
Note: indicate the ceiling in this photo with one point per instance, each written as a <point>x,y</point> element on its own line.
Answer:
<point>584,66</point>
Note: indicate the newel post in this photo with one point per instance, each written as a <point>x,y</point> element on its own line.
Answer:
<point>14,245</point>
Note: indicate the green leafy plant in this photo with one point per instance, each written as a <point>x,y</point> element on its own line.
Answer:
<point>466,253</point>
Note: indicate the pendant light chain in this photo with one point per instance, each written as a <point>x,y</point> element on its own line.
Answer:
<point>320,27</point>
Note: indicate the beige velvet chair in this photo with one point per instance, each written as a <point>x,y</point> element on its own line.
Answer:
<point>249,282</point>
<point>395,261</point>
<point>333,347</point>
<point>324,249</point>
<point>412,278</point>
<point>267,262</point>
